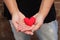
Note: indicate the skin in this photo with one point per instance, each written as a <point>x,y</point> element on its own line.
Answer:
<point>17,16</point>
<point>41,15</point>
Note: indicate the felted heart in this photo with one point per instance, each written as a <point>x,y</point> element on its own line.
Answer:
<point>29,21</point>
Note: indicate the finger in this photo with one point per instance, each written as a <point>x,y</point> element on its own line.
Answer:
<point>21,27</point>
<point>28,32</point>
<point>36,27</point>
<point>27,28</point>
<point>16,25</point>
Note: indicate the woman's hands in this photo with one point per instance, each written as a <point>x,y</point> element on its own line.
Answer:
<point>18,22</point>
<point>36,26</point>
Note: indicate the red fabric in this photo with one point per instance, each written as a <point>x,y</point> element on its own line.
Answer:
<point>29,21</point>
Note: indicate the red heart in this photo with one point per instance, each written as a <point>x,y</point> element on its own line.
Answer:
<point>29,21</point>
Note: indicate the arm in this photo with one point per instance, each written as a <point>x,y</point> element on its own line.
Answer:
<point>12,6</point>
<point>43,12</point>
<point>45,8</point>
<point>17,16</point>
<point>40,16</point>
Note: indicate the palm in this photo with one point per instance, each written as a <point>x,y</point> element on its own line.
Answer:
<point>17,20</point>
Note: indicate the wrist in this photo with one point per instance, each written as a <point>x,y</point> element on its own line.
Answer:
<point>41,16</point>
<point>14,12</point>
<point>17,12</point>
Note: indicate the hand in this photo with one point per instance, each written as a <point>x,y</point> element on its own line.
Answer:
<point>18,22</point>
<point>37,25</point>
<point>17,19</point>
<point>39,22</point>
<point>27,30</point>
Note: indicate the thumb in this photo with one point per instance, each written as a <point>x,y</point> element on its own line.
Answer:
<point>36,27</point>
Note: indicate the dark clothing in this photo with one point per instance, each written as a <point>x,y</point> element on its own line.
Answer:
<point>30,8</point>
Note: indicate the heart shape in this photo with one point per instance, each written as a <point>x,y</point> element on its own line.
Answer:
<point>29,21</point>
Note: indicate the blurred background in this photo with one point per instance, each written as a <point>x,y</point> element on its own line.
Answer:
<point>5,29</point>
